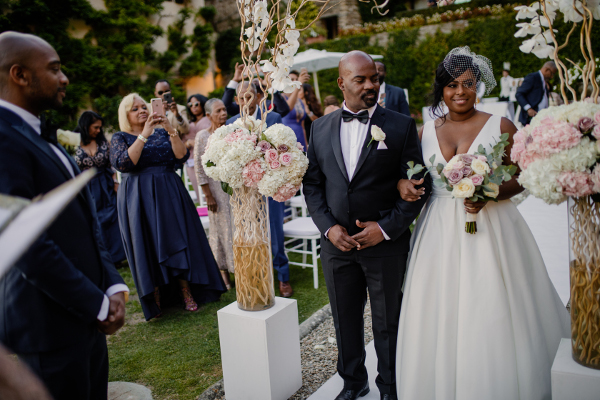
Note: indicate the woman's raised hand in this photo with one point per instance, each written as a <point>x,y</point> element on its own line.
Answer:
<point>408,190</point>
<point>150,124</point>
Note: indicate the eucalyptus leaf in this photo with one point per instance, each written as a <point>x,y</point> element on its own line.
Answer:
<point>226,188</point>
<point>210,164</point>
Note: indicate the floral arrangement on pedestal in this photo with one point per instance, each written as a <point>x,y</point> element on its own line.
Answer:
<point>559,153</point>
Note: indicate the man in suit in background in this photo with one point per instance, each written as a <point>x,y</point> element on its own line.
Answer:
<point>58,302</point>
<point>532,95</point>
<point>280,105</point>
<point>246,95</point>
<point>350,191</point>
<point>176,114</point>
<point>391,97</point>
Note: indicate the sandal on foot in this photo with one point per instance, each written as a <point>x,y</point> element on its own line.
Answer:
<point>190,304</point>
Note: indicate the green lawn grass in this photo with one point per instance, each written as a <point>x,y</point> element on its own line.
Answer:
<point>177,356</point>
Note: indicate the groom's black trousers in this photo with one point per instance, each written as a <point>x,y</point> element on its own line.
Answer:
<point>348,277</point>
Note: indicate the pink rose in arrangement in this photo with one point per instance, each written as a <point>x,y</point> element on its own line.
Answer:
<point>482,158</point>
<point>597,118</point>
<point>596,178</point>
<point>459,165</point>
<point>275,164</point>
<point>286,192</point>
<point>585,124</point>
<point>286,158</point>
<point>477,179</point>
<point>252,174</point>
<point>468,158</point>
<point>299,146</point>
<point>282,148</point>
<point>239,134</point>
<point>596,132</point>
<point>576,184</point>
<point>466,170</point>
<point>271,155</point>
<point>263,146</point>
<point>454,176</point>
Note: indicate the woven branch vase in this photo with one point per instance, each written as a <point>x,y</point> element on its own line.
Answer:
<point>252,250</point>
<point>584,257</point>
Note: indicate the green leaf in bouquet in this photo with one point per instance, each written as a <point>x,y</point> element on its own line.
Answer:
<point>410,164</point>
<point>414,170</point>
<point>432,160</point>
<point>504,137</point>
<point>439,169</point>
<point>507,177</point>
<point>512,169</point>
<point>481,149</point>
<point>226,188</point>
<point>210,164</point>
<point>487,188</point>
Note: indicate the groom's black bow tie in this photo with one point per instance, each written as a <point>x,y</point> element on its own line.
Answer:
<point>362,117</point>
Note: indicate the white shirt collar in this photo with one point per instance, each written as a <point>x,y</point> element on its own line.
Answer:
<point>28,117</point>
<point>382,88</point>
<point>371,110</point>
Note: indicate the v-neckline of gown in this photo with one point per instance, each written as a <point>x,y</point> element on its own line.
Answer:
<point>468,150</point>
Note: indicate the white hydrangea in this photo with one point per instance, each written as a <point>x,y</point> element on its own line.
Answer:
<point>567,113</point>
<point>279,134</point>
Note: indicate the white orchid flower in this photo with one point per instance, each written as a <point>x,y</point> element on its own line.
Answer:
<point>594,7</point>
<point>528,28</point>
<point>543,51</point>
<point>267,66</point>
<point>249,32</point>
<point>527,45</point>
<point>568,9</point>
<point>525,12</point>
<point>290,22</point>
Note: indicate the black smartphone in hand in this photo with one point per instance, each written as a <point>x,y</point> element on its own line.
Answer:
<point>168,97</point>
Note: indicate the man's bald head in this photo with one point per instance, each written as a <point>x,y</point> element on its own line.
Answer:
<point>358,80</point>
<point>30,74</point>
<point>549,70</point>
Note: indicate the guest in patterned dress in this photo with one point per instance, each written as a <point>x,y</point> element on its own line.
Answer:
<point>198,121</point>
<point>94,151</point>
<point>164,240</point>
<point>219,213</point>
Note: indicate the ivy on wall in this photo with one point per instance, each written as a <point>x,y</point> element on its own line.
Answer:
<point>115,57</point>
<point>411,60</point>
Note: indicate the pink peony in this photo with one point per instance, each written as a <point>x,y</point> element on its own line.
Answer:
<point>482,158</point>
<point>553,137</point>
<point>299,146</point>
<point>271,155</point>
<point>596,178</point>
<point>596,132</point>
<point>282,148</point>
<point>597,118</point>
<point>477,179</point>
<point>275,164</point>
<point>239,134</point>
<point>286,192</point>
<point>263,146</point>
<point>585,125</point>
<point>286,158</point>
<point>252,174</point>
<point>576,184</point>
<point>454,176</point>
<point>466,170</point>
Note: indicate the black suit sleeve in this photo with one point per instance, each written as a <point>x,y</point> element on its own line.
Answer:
<point>45,266</point>
<point>231,107</point>
<point>404,213</point>
<point>281,106</point>
<point>314,190</point>
<point>402,103</point>
<point>524,89</point>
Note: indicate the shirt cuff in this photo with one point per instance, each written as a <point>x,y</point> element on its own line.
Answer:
<point>103,314</point>
<point>384,234</point>
<point>527,107</point>
<point>118,288</point>
<point>233,85</point>
<point>327,233</point>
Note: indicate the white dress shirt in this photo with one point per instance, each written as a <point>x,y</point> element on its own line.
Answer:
<point>506,83</point>
<point>35,123</point>
<point>352,138</point>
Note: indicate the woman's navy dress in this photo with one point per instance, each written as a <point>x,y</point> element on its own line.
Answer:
<point>163,236</point>
<point>102,188</point>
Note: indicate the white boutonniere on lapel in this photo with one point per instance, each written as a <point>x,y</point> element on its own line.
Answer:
<point>379,136</point>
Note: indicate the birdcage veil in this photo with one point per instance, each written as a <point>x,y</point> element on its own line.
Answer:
<point>469,68</point>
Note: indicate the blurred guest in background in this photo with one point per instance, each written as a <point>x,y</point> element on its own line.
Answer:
<point>532,95</point>
<point>163,236</point>
<point>298,111</point>
<point>391,97</point>
<point>197,121</point>
<point>220,235</point>
<point>314,108</point>
<point>279,104</point>
<point>175,113</point>
<point>331,103</point>
<point>506,85</point>
<point>94,152</point>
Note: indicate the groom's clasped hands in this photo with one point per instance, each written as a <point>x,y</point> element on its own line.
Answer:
<point>371,235</point>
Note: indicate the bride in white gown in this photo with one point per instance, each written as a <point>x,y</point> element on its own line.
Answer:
<point>480,317</point>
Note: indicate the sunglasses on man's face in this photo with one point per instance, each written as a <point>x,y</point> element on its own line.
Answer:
<point>190,105</point>
<point>161,92</point>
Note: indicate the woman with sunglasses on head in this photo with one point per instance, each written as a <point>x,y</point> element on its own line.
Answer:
<point>94,151</point>
<point>197,121</point>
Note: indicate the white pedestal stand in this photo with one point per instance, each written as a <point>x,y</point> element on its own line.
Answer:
<point>260,351</point>
<point>570,380</point>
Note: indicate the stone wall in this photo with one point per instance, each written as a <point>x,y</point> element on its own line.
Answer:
<point>346,12</point>
<point>227,14</point>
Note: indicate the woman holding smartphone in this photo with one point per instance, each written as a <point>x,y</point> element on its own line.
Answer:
<point>164,240</point>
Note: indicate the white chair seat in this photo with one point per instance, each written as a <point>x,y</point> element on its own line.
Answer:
<point>303,226</point>
<point>205,223</point>
<point>298,201</point>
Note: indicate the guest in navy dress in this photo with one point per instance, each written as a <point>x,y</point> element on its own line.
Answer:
<point>298,111</point>
<point>95,152</point>
<point>163,237</point>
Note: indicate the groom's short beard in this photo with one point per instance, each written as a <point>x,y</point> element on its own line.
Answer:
<point>369,102</point>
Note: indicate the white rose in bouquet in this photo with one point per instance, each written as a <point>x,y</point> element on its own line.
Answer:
<point>464,189</point>
<point>480,167</point>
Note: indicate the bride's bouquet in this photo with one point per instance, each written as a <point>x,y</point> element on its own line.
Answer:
<point>476,177</point>
<point>241,155</point>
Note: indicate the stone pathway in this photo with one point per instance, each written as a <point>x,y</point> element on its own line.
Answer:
<point>128,391</point>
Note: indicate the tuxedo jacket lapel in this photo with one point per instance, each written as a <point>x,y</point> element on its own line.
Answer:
<point>336,144</point>
<point>377,119</point>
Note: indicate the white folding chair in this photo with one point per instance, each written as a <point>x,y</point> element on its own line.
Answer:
<point>303,229</point>
<point>188,185</point>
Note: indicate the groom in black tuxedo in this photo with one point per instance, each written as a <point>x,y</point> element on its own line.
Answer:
<point>64,295</point>
<point>350,190</point>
